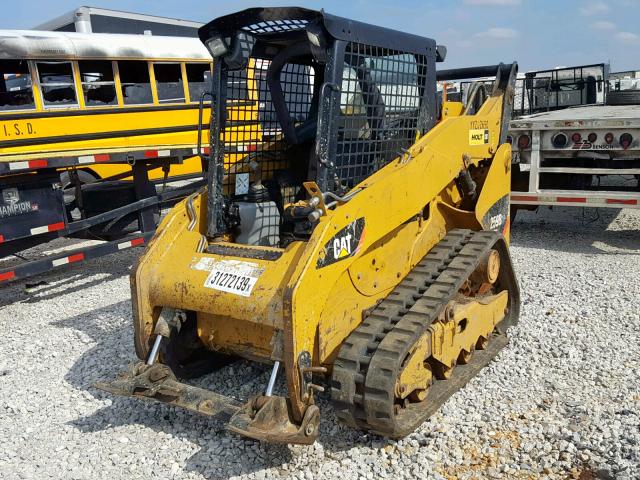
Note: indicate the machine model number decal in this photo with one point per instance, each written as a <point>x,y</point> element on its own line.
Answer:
<point>496,221</point>
<point>497,216</point>
<point>233,276</point>
<point>478,137</point>
<point>343,244</point>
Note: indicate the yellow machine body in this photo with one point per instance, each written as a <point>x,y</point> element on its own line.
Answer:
<point>411,261</point>
<point>408,207</point>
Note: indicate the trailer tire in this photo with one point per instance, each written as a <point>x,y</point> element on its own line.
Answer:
<point>68,191</point>
<point>623,97</point>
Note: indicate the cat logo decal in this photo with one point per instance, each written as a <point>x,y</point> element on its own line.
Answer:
<point>344,244</point>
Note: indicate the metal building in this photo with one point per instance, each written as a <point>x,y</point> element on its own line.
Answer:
<point>102,20</point>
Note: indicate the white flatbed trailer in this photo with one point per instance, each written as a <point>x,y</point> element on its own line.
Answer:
<point>579,156</point>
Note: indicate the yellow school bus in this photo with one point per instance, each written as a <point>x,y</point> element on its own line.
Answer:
<point>106,117</point>
<point>98,97</point>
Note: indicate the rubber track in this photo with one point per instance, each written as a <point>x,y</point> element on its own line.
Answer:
<point>370,359</point>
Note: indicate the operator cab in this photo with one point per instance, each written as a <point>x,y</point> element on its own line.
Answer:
<point>336,101</point>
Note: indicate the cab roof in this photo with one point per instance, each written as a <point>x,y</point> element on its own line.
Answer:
<point>268,24</point>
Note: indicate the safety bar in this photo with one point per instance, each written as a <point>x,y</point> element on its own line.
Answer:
<point>472,72</point>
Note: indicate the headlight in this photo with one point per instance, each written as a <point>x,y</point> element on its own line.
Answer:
<point>314,38</point>
<point>217,46</point>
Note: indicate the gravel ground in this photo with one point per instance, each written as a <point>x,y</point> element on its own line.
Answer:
<point>561,401</point>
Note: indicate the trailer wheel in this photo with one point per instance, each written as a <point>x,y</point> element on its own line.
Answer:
<point>185,354</point>
<point>68,188</point>
<point>623,97</point>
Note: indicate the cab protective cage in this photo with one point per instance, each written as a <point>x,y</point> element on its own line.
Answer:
<point>337,100</point>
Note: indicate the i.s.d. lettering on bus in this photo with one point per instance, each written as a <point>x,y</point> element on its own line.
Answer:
<point>17,129</point>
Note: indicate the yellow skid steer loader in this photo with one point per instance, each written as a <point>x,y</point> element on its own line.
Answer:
<point>363,239</point>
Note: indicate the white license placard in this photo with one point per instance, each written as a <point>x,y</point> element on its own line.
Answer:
<point>233,276</point>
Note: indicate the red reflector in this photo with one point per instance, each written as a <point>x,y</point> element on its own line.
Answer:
<point>103,157</point>
<point>571,200</point>
<point>576,137</point>
<point>524,141</point>
<point>252,147</point>
<point>55,227</point>
<point>78,257</point>
<point>151,154</point>
<point>4,276</point>
<point>137,241</point>
<point>1,238</point>
<point>37,163</point>
<point>524,198</point>
<point>608,137</point>
<point>206,150</point>
<point>620,201</point>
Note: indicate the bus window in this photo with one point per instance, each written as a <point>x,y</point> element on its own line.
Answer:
<point>169,82</point>
<point>134,77</point>
<point>57,84</point>
<point>199,79</point>
<point>16,92</point>
<point>98,85</point>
